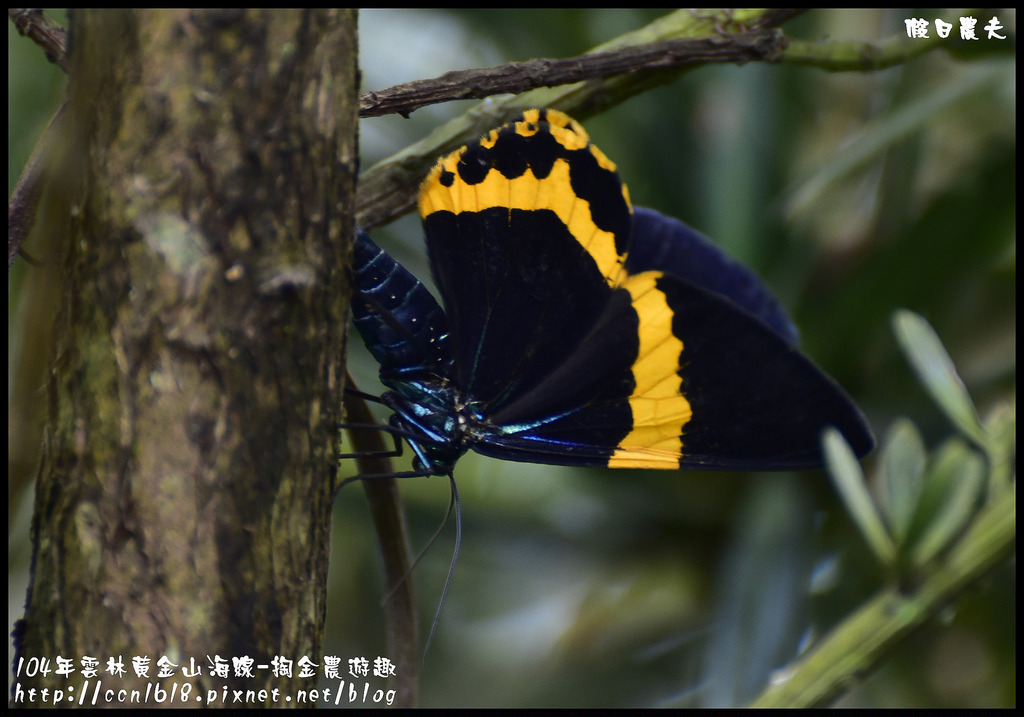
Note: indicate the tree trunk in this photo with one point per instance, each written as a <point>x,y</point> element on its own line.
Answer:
<point>202,205</point>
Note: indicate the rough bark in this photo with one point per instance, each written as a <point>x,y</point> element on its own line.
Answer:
<point>202,203</point>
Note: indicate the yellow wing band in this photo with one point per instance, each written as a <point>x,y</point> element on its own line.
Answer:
<point>528,192</point>
<point>660,410</point>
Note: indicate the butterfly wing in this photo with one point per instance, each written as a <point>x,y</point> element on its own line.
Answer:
<point>666,244</point>
<point>568,357</point>
<point>512,238</point>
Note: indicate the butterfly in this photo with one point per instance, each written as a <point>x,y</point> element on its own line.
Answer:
<point>573,329</point>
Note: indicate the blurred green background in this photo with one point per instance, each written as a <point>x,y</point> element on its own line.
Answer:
<point>852,194</point>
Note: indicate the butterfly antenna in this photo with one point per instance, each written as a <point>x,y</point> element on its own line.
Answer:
<point>433,538</point>
<point>451,567</point>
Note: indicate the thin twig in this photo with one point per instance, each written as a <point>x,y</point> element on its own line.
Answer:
<point>517,77</point>
<point>400,623</point>
<point>857,56</point>
<point>33,24</point>
<point>859,641</point>
<point>897,49</point>
<point>21,207</point>
<point>388,189</point>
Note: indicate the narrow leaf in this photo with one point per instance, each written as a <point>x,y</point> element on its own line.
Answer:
<point>849,480</point>
<point>961,471</point>
<point>902,471</point>
<point>935,368</point>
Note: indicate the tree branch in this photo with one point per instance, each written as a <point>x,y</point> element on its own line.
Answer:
<point>400,624</point>
<point>857,643</point>
<point>754,39</point>
<point>21,207</point>
<point>855,56</point>
<point>868,56</point>
<point>24,201</point>
<point>388,189</point>
<point>33,24</point>
<point>516,77</point>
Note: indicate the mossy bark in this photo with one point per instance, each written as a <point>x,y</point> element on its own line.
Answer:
<point>202,200</point>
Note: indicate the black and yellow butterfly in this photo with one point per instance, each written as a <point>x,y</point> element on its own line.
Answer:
<point>575,330</point>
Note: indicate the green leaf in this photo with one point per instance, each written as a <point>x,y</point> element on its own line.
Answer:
<point>849,481</point>
<point>935,368</point>
<point>901,476</point>
<point>1001,428</point>
<point>953,484</point>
